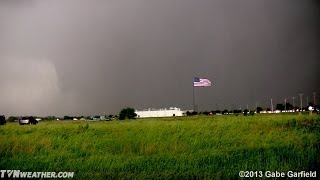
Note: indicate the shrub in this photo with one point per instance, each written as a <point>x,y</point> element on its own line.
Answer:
<point>127,113</point>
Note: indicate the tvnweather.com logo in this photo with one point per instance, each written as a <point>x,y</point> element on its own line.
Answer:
<point>43,175</point>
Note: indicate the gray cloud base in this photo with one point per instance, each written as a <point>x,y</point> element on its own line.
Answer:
<point>92,57</point>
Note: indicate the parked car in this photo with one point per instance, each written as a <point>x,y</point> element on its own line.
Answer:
<point>27,120</point>
<point>2,120</point>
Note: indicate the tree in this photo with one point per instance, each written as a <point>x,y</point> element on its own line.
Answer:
<point>206,113</point>
<point>12,119</point>
<point>194,113</point>
<point>280,107</point>
<point>310,104</point>
<point>259,109</point>
<point>188,113</point>
<point>245,112</point>
<point>67,118</point>
<point>2,120</point>
<point>50,118</point>
<point>296,108</point>
<point>127,113</point>
<point>288,106</point>
<point>225,111</point>
<point>236,111</point>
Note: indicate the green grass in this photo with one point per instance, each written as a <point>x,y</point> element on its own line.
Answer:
<point>182,147</point>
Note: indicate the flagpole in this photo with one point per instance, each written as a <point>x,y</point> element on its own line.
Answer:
<point>194,107</point>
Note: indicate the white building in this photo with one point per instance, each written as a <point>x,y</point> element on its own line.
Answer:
<point>160,112</point>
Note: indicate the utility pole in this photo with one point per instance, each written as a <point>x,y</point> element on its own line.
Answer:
<point>285,104</point>
<point>248,107</point>
<point>307,101</point>
<point>293,101</point>
<point>271,106</point>
<point>294,109</point>
<point>314,98</point>
<point>300,101</point>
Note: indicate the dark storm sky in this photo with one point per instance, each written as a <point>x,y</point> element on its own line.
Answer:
<point>91,57</point>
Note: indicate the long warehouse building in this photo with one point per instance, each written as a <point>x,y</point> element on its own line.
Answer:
<point>173,111</point>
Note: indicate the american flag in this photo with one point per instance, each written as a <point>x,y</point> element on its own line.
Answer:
<point>201,82</point>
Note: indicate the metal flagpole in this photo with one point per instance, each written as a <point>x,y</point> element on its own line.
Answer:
<point>194,107</point>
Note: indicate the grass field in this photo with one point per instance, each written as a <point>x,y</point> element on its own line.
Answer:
<point>182,147</point>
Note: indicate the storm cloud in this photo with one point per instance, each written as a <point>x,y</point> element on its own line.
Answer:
<point>94,57</point>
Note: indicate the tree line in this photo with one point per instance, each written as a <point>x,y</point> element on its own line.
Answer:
<point>129,113</point>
